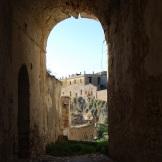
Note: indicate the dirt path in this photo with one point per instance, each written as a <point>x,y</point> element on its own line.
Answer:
<point>83,158</point>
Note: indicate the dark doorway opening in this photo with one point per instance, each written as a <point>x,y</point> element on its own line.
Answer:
<point>23,113</point>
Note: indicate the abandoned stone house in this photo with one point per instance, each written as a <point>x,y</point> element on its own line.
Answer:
<point>79,131</point>
<point>133,32</point>
<point>85,85</point>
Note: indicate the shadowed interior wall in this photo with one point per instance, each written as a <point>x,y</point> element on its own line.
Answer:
<point>135,77</point>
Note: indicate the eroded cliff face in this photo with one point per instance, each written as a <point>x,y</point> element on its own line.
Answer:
<point>133,33</point>
<point>84,110</point>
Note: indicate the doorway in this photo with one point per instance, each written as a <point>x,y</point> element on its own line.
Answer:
<point>23,113</point>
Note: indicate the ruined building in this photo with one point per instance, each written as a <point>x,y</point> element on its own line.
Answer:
<point>85,85</point>
<point>85,92</point>
<point>134,36</point>
<point>79,130</point>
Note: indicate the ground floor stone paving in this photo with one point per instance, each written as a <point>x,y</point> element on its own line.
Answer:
<point>82,158</point>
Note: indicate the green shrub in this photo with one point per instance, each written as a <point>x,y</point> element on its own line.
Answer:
<point>70,148</point>
<point>102,130</point>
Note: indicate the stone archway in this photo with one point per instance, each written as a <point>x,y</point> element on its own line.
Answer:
<point>35,21</point>
<point>135,75</point>
<point>23,113</point>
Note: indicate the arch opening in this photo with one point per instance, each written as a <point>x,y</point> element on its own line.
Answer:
<point>88,78</point>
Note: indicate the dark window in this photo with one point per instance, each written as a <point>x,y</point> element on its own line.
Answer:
<point>81,92</point>
<point>98,80</point>
<point>70,82</point>
<point>70,93</point>
<point>74,81</point>
<point>90,79</point>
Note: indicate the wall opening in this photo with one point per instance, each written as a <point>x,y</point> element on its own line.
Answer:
<point>23,113</point>
<point>69,62</point>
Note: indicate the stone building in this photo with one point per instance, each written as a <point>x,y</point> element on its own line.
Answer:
<point>86,90</point>
<point>84,85</point>
<point>79,131</point>
<point>73,91</point>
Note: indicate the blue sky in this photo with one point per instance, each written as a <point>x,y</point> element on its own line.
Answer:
<point>76,45</point>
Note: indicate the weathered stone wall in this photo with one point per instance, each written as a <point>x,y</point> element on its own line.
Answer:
<point>25,50</point>
<point>102,95</point>
<point>65,114</point>
<point>54,114</point>
<point>7,138</point>
<point>82,133</point>
<point>18,47</point>
<point>135,77</point>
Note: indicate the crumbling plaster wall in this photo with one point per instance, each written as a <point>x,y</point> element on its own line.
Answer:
<point>135,77</point>
<point>53,114</point>
<point>133,32</point>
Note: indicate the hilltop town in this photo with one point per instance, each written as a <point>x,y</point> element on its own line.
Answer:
<point>85,97</point>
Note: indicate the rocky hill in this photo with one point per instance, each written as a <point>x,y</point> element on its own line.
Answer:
<point>88,110</point>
